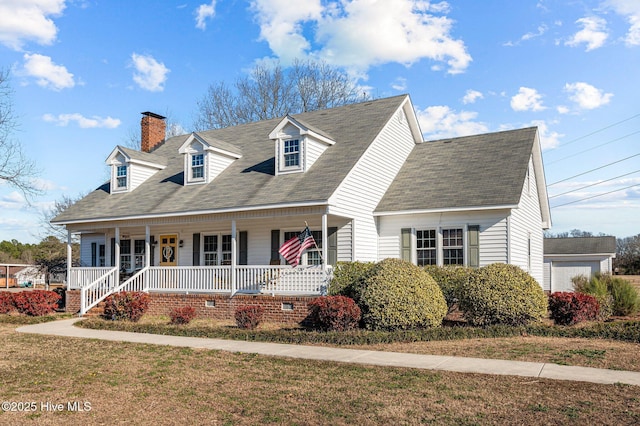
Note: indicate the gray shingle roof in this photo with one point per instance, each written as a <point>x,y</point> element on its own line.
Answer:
<point>471,171</point>
<point>580,245</point>
<point>250,180</point>
<point>143,156</point>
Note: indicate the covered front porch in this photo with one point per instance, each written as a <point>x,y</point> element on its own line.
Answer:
<point>208,254</point>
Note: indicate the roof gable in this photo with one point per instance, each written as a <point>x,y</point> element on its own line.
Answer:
<point>480,171</point>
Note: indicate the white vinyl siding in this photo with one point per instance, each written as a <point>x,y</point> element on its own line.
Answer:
<point>85,247</point>
<point>313,150</point>
<point>492,238</point>
<point>138,174</point>
<point>526,228</point>
<point>345,243</point>
<point>216,164</point>
<point>365,185</point>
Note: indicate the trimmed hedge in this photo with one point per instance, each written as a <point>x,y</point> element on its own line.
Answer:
<point>348,279</point>
<point>400,295</point>
<point>450,279</point>
<point>337,313</point>
<point>36,302</point>
<point>568,308</point>
<point>128,305</point>
<point>502,294</point>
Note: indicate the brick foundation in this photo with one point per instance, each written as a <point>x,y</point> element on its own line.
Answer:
<point>220,307</point>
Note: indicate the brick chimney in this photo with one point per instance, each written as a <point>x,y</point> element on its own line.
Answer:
<point>153,130</point>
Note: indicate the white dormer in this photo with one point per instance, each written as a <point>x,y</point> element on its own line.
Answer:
<point>297,145</point>
<point>205,158</point>
<point>130,168</point>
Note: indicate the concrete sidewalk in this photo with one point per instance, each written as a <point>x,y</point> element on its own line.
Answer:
<point>356,356</point>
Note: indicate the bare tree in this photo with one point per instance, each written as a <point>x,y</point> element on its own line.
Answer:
<point>15,168</point>
<point>270,91</point>
<point>46,215</point>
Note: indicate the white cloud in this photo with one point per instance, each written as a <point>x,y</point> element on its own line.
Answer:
<point>399,84</point>
<point>204,12</point>
<point>149,74</point>
<point>471,96</point>
<point>562,109</point>
<point>593,33</point>
<point>48,74</point>
<point>82,121</point>
<point>13,201</point>
<point>528,36</point>
<point>28,20</point>
<point>548,138</point>
<point>587,96</point>
<point>631,10</point>
<point>440,121</point>
<point>527,99</point>
<point>358,34</point>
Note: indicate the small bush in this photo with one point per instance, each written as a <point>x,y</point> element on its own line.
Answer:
<point>400,295</point>
<point>6,302</point>
<point>450,279</point>
<point>128,305</point>
<point>335,313</point>
<point>348,279</point>
<point>625,297</point>
<point>249,316</point>
<point>597,288</point>
<point>182,315</point>
<point>569,308</point>
<point>36,303</point>
<point>502,294</point>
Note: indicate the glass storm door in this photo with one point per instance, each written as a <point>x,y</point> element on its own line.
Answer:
<point>168,250</point>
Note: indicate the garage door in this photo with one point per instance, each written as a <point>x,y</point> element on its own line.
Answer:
<point>562,272</point>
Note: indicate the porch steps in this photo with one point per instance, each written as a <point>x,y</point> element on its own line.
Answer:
<point>96,311</point>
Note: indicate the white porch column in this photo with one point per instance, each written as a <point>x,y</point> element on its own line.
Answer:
<point>69,260</point>
<point>147,246</point>
<point>117,249</point>
<point>234,252</point>
<point>325,240</point>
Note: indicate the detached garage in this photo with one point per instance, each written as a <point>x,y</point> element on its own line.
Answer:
<point>565,258</point>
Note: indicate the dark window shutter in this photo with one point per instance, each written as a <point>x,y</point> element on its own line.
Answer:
<point>275,245</point>
<point>405,244</point>
<point>94,254</point>
<point>153,251</point>
<point>243,249</point>
<point>332,246</point>
<point>474,245</point>
<point>196,249</point>
<point>113,252</point>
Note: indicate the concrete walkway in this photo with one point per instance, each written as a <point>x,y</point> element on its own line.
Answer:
<point>356,356</point>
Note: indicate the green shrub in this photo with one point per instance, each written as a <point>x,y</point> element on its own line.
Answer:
<point>624,295</point>
<point>128,305</point>
<point>502,294</point>
<point>400,295</point>
<point>450,279</point>
<point>348,279</point>
<point>597,288</point>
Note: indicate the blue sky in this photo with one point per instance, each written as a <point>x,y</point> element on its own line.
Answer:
<point>83,71</point>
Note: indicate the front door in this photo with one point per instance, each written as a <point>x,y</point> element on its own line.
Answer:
<point>168,250</point>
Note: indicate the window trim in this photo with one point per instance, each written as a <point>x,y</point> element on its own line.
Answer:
<point>193,167</point>
<point>304,259</point>
<point>219,253</point>
<point>282,155</point>
<point>440,242</point>
<point>434,249</point>
<point>117,176</point>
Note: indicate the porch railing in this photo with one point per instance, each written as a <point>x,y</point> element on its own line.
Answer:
<point>97,290</point>
<point>265,279</point>
<point>80,277</point>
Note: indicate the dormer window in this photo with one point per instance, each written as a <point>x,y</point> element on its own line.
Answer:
<point>197,166</point>
<point>121,177</point>
<point>292,153</point>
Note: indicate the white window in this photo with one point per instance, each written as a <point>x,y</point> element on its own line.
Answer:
<point>121,176</point>
<point>197,166</point>
<point>125,255</point>
<point>453,246</point>
<point>426,247</point>
<point>291,153</point>
<point>216,250</point>
<point>138,253</point>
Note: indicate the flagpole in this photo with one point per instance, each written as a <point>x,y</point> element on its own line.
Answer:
<point>314,242</point>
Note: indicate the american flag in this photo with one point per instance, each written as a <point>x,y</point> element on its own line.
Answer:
<point>292,249</point>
